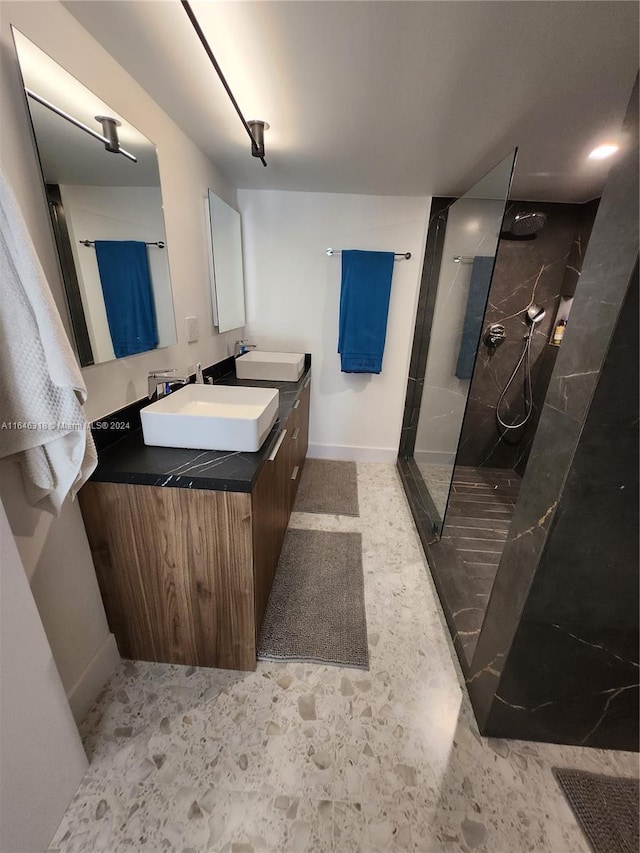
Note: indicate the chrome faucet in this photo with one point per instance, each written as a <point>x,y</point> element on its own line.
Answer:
<point>159,379</point>
<point>243,346</point>
<point>199,376</point>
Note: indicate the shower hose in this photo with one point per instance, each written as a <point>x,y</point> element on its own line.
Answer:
<point>528,397</point>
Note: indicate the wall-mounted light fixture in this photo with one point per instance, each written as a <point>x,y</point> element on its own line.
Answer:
<point>109,125</point>
<point>110,131</point>
<point>257,131</point>
<point>255,128</point>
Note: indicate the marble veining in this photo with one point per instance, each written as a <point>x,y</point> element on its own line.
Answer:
<point>304,757</point>
<point>587,631</point>
<point>129,460</point>
<point>525,272</point>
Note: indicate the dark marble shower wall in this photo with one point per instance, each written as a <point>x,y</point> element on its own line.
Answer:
<point>547,359</point>
<point>583,603</point>
<point>557,657</point>
<point>542,269</point>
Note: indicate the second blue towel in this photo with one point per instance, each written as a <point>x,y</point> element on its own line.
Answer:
<point>128,295</point>
<point>364,307</point>
<point>479,285</point>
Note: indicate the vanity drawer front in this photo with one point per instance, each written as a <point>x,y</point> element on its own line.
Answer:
<point>299,419</point>
<point>293,422</point>
<point>303,424</point>
<point>273,497</point>
<point>300,440</point>
<point>270,501</point>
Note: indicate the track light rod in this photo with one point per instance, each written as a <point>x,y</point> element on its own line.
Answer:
<point>214,62</point>
<point>108,142</point>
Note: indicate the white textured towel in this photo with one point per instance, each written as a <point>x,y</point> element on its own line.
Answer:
<point>42,422</point>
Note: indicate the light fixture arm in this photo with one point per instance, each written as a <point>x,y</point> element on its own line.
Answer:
<point>108,143</point>
<point>255,145</point>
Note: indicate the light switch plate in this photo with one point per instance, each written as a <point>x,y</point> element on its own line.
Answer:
<point>192,329</point>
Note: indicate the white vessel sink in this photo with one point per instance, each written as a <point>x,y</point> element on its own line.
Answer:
<point>270,366</point>
<point>211,417</point>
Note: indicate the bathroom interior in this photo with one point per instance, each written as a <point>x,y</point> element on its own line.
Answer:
<point>492,440</point>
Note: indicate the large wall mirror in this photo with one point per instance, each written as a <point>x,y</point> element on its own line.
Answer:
<point>103,190</point>
<point>227,277</point>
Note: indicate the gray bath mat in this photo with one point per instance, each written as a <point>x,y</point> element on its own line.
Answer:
<point>328,487</point>
<point>316,607</point>
<point>606,808</point>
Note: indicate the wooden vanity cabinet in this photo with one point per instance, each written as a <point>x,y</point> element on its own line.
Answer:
<point>185,574</point>
<point>273,497</point>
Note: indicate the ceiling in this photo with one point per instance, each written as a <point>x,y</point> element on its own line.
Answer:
<point>390,98</point>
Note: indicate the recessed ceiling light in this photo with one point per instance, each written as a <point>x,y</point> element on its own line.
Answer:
<point>603,151</point>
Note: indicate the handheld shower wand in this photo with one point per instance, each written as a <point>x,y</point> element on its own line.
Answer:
<point>534,316</point>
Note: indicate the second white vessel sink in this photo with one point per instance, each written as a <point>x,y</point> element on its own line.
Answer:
<point>212,417</point>
<point>270,366</point>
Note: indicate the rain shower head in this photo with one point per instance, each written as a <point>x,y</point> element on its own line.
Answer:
<point>526,224</point>
<point>535,314</point>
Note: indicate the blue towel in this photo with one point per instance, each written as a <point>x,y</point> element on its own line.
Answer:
<point>476,304</point>
<point>128,295</point>
<point>364,305</point>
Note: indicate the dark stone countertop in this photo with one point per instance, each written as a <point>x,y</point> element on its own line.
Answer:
<point>130,460</point>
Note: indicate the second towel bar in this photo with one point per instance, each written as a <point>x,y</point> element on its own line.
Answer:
<point>405,255</point>
<point>158,243</point>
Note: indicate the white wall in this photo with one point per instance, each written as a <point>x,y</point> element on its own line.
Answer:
<point>38,737</point>
<point>117,213</point>
<point>293,292</point>
<point>54,552</point>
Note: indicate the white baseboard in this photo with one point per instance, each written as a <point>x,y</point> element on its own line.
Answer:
<point>348,453</point>
<point>83,693</point>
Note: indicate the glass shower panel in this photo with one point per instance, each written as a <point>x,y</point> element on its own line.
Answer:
<point>469,249</point>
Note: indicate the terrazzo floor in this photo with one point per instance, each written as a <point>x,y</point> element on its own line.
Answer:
<point>319,758</point>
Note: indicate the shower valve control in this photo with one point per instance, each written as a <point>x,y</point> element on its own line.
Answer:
<point>495,335</point>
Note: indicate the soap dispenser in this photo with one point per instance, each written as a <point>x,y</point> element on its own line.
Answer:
<point>559,331</point>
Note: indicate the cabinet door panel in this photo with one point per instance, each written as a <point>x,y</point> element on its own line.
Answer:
<point>175,568</point>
